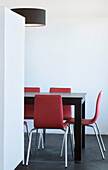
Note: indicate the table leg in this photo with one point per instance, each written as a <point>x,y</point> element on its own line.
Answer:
<point>83,127</point>
<point>78,116</point>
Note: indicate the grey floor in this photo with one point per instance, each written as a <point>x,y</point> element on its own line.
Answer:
<point>49,159</point>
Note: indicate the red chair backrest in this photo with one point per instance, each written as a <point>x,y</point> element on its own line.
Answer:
<point>29,109</point>
<point>31,89</point>
<point>60,90</point>
<point>97,106</point>
<point>48,112</point>
<point>66,109</point>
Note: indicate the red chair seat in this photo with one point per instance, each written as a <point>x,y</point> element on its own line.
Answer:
<point>28,111</point>
<point>84,121</point>
<point>90,121</point>
<point>87,121</point>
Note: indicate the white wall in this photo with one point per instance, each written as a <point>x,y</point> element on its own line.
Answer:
<point>71,51</point>
<point>1,88</point>
<point>12,88</point>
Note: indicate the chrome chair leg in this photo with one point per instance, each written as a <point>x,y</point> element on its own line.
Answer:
<point>65,149</point>
<point>40,136</point>
<point>97,127</point>
<point>68,134</point>
<point>28,140</point>
<point>100,147</point>
<point>28,136</point>
<point>23,162</point>
<point>42,140</point>
<point>36,139</point>
<point>27,130</point>
<point>29,146</point>
<point>61,154</point>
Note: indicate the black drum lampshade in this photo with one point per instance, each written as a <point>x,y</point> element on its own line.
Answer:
<point>33,17</point>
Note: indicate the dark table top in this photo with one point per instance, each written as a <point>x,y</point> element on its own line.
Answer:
<point>64,95</point>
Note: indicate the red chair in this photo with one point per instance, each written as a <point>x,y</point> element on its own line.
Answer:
<point>29,109</point>
<point>48,114</point>
<point>90,122</point>
<point>66,109</point>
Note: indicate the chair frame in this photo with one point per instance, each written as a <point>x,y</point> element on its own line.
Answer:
<point>41,136</point>
<point>71,134</point>
<point>31,89</point>
<point>99,140</point>
<point>52,123</point>
<point>28,137</point>
<point>95,128</point>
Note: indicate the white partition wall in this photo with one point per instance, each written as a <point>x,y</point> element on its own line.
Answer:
<point>12,35</point>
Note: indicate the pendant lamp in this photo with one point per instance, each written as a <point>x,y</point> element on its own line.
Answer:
<point>34,17</point>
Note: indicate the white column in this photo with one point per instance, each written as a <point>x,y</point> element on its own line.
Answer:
<point>12,37</point>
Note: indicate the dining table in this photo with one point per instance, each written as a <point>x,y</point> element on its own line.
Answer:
<point>78,100</point>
